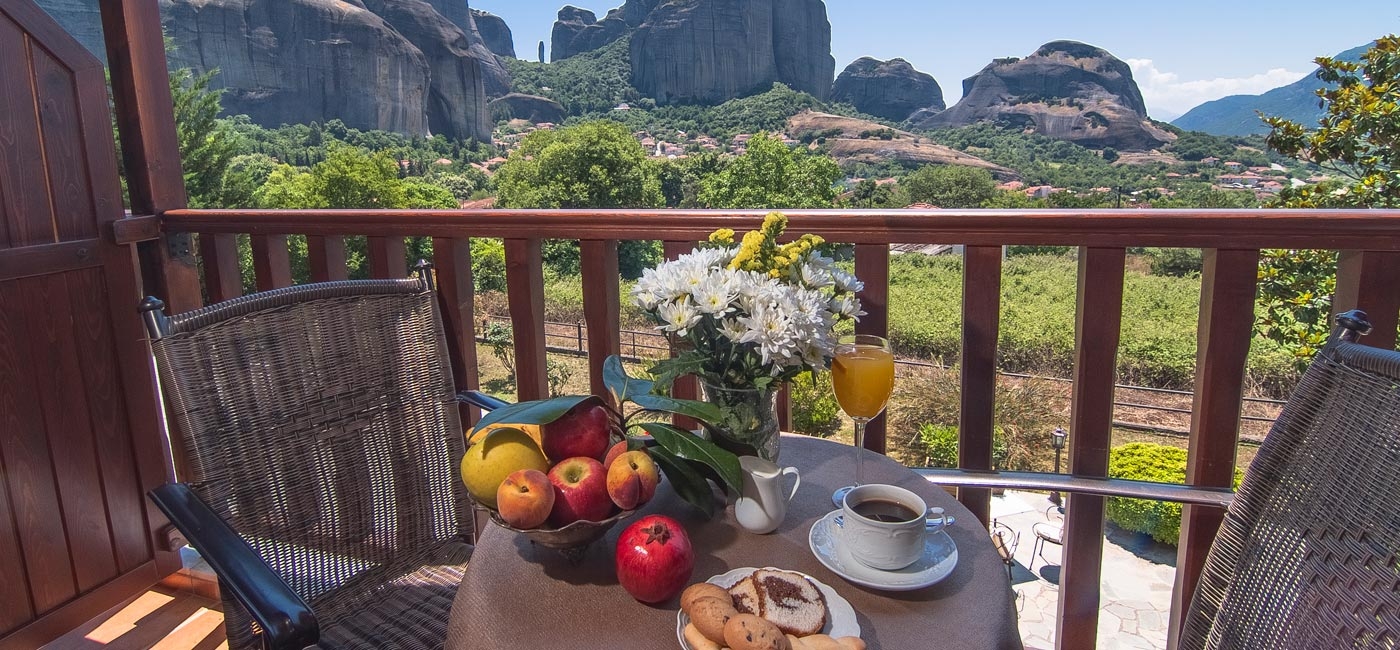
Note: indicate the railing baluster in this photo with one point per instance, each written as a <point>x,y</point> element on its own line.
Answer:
<point>272,263</point>
<point>388,257</point>
<point>1370,281</point>
<point>1098,320</point>
<point>873,268</point>
<point>326,257</point>
<point>1229,280</point>
<point>784,407</point>
<point>685,387</point>
<point>525,289</point>
<point>222,280</point>
<point>452,266</point>
<point>981,320</point>
<point>600,308</point>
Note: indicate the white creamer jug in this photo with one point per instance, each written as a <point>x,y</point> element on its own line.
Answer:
<point>762,506</point>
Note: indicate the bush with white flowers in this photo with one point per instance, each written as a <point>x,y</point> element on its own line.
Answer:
<point>750,315</point>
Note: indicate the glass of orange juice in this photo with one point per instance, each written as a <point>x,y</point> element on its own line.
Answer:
<point>862,375</point>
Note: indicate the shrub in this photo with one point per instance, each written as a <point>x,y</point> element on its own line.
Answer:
<point>941,446</point>
<point>814,408</point>
<point>1024,415</point>
<point>1180,262</point>
<point>1145,461</point>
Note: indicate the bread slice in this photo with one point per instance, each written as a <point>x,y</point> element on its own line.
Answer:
<point>745,595</point>
<point>790,601</point>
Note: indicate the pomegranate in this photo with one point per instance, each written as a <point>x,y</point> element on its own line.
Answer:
<point>654,558</point>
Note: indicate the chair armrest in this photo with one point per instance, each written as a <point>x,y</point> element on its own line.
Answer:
<point>286,620</point>
<point>481,400</point>
<point>1111,487</point>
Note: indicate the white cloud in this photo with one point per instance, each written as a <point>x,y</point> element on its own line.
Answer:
<point>1168,97</point>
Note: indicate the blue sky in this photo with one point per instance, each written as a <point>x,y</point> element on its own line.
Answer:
<point>1182,53</point>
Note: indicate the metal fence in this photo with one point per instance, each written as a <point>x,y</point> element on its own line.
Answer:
<point>640,345</point>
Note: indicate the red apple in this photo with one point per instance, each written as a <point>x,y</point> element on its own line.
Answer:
<point>613,452</point>
<point>632,479</point>
<point>525,498</point>
<point>654,558</point>
<point>580,492</point>
<point>583,431</point>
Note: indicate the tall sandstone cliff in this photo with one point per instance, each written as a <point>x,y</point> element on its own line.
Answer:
<point>1066,90</point>
<point>495,33</point>
<point>890,89</point>
<point>708,51</point>
<point>398,65</point>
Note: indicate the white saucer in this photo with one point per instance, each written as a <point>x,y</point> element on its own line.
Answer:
<point>940,556</point>
<point>840,618</point>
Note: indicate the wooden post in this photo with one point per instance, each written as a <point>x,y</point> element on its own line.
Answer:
<point>601,302</point>
<point>452,266</point>
<point>1370,281</point>
<point>223,279</point>
<point>1098,320</point>
<point>272,262</point>
<point>873,269</point>
<point>150,152</point>
<point>1229,280</point>
<point>525,289</point>
<point>685,387</point>
<point>388,257</point>
<point>326,258</point>
<point>981,321</point>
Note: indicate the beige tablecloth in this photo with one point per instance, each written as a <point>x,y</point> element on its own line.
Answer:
<point>516,595</point>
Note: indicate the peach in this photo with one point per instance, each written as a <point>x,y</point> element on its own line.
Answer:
<point>580,491</point>
<point>525,498</point>
<point>613,452</point>
<point>632,479</point>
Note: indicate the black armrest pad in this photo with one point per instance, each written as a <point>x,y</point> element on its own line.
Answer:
<point>286,620</point>
<point>481,400</point>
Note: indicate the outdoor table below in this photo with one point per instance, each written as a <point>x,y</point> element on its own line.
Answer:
<point>518,595</point>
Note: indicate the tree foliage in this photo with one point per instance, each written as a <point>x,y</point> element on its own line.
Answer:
<point>950,186</point>
<point>771,175</point>
<point>207,144</point>
<point>1359,135</point>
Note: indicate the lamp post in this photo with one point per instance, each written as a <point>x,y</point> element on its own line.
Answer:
<point>1057,440</point>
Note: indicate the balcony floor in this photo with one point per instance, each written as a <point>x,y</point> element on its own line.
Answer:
<point>162,618</point>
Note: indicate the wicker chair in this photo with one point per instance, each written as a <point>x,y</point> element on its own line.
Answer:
<point>319,423</point>
<point>1309,553</point>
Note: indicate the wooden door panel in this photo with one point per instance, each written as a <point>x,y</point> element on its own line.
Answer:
<point>81,438</point>
<point>23,187</point>
<point>69,186</point>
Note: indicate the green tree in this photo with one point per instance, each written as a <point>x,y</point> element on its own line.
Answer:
<point>1359,135</point>
<point>950,186</point>
<point>774,176</point>
<point>245,174</point>
<point>592,165</point>
<point>207,144</point>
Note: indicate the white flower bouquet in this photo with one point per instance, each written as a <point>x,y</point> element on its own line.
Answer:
<point>751,316</point>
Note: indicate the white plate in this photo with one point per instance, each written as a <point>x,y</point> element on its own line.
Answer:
<point>940,556</point>
<point>840,616</point>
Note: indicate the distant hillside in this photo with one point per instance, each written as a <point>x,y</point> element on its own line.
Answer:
<point>1238,114</point>
<point>849,139</point>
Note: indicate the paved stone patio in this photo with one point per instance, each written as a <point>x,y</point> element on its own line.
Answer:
<point>1136,589</point>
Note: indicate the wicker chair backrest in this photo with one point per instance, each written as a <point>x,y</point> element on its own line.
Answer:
<point>320,422</point>
<point>1309,553</point>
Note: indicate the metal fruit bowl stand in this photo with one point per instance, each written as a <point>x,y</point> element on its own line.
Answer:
<point>572,540</point>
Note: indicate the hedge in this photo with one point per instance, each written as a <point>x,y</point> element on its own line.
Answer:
<point>1145,461</point>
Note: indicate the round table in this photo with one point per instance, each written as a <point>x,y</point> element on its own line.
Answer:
<point>518,595</point>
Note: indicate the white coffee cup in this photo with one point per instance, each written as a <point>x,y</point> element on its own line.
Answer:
<point>884,545</point>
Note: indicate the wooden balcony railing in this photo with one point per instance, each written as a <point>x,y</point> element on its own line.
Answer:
<point>1369,278</point>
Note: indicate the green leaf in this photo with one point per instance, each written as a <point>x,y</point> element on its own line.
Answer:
<point>691,447</point>
<point>538,412</point>
<point>703,411</point>
<point>622,386</point>
<point>687,482</point>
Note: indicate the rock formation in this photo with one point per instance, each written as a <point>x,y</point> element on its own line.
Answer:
<point>495,33</point>
<point>82,20</point>
<point>846,139</point>
<point>1066,90</point>
<point>890,89</point>
<point>708,51</point>
<point>497,78</point>
<point>578,30</point>
<point>533,108</point>
<point>397,65</point>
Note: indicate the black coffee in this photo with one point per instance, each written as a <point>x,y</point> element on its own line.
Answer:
<point>891,512</point>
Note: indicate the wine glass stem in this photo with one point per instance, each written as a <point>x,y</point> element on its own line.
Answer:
<point>860,450</point>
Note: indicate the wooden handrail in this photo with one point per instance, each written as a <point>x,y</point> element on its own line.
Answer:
<point>1369,242</point>
<point>1377,230</point>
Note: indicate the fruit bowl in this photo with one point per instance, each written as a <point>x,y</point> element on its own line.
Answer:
<point>571,540</point>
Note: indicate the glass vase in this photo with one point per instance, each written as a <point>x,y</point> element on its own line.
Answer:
<point>749,424</point>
